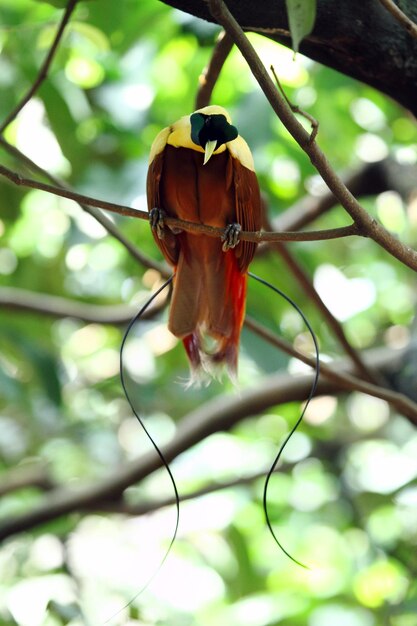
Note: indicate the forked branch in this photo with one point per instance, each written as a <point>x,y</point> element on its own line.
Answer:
<point>43,72</point>
<point>366,224</point>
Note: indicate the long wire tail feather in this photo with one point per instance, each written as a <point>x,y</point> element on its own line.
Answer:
<point>300,419</point>
<point>151,439</point>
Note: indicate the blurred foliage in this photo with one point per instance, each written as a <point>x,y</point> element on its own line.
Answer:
<point>347,504</point>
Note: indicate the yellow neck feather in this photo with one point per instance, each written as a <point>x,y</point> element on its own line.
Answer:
<point>179,136</point>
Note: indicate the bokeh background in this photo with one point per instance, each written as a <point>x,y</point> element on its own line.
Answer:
<point>345,500</point>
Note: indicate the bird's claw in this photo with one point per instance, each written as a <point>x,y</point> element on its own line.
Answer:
<point>231,236</point>
<point>156,220</point>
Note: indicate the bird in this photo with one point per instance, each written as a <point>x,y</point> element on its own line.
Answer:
<point>201,170</point>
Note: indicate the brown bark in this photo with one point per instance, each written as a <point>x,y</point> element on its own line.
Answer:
<point>360,39</point>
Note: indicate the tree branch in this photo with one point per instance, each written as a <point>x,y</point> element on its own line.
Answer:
<point>354,37</point>
<point>334,373</point>
<point>369,180</point>
<point>401,17</point>
<point>43,72</point>
<point>207,83</point>
<point>322,449</point>
<point>366,224</point>
<point>23,478</point>
<point>219,414</point>
<point>193,227</point>
<point>210,74</point>
<point>61,307</point>
<point>295,108</point>
<point>144,508</point>
<point>306,284</point>
<point>111,228</point>
<point>15,299</point>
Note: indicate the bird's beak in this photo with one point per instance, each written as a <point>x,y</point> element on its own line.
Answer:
<point>209,149</point>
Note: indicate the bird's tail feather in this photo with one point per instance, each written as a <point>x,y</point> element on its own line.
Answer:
<point>212,340</point>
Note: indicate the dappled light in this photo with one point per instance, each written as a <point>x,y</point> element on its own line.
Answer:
<point>87,508</point>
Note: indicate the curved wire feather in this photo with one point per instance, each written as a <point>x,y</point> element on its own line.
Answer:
<point>300,419</point>
<point>151,439</point>
<point>160,454</point>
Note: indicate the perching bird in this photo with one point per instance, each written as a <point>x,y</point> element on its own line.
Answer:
<point>202,171</point>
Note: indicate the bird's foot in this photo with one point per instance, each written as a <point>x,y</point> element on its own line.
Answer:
<point>230,236</point>
<point>156,220</point>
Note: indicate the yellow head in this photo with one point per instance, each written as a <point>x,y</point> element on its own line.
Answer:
<point>180,135</point>
<point>215,109</point>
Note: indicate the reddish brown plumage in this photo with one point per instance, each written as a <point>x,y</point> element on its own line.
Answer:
<point>210,285</point>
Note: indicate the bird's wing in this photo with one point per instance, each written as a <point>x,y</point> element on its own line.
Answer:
<point>168,245</point>
<point>247,198</point>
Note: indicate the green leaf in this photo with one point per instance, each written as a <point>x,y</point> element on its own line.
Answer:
<point>301,18</point>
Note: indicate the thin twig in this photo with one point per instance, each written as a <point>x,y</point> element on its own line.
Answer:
<point>217,415</point>
<point>62,307</point>
<point>311,235</point>
<point>400,402</point>
<point>43,72</point>
<point>143,508</point>
<point>306,284</point>
<point>296,109</point>
<point>23,300</point>
<point>120,209</point>
<point>111,228</point>
<point>371,179</point>
<point>14,299</point>
<point>324,450</point>
<point>193,227</point>
<point>401,17</point>
<point>367,225</point>
<point>210,74</point>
